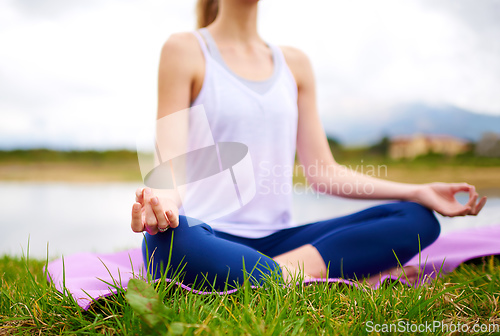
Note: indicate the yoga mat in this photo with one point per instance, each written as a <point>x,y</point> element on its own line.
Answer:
<point>85,275</point>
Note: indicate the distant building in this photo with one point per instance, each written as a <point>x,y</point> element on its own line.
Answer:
<point>489,145</point>
<point>409,147</point>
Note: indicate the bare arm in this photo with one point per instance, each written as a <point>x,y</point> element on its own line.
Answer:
<point>334,179</point>
<point>181,67</point>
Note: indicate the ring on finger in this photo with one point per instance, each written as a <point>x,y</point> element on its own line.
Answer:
<point>162,229</point>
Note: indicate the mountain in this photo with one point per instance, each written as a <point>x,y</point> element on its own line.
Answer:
<point>414,118</point>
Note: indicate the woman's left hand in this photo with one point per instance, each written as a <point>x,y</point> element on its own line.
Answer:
<point>441,198</point>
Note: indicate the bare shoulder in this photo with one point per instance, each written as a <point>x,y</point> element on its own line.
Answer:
<point>181,43</point>
<point>294,56</point>
<point>298,62</point>
<point>181,48</point>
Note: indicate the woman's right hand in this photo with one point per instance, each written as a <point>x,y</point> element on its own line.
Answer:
<point>151,214</point>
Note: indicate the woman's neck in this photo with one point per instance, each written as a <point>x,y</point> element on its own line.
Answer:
<point>236,21</point>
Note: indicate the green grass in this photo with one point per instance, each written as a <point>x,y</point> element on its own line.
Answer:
<point>31,305</point>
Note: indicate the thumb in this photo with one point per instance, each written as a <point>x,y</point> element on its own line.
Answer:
<point>173,219</point>
<point>137,224</point>
<point>464,210</point>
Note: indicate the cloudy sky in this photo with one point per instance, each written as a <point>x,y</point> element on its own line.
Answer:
<point>82,73</point>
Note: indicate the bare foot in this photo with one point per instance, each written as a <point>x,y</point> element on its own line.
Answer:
<point>291,273</point>
<point>408,273</point>
<point>304,260</point>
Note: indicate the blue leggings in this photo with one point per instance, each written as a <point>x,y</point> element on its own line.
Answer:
<point>354,246</point>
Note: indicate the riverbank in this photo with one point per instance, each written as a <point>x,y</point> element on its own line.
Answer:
<point>86,172</point>
<point>122,166</point>
<point>486,179</point>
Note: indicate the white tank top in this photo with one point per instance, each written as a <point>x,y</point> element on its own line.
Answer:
<point>262,115</point>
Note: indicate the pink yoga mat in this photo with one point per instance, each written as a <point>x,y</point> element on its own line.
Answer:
<point>87,274</point>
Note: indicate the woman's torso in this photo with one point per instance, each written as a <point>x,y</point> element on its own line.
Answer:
<point>263,116</point>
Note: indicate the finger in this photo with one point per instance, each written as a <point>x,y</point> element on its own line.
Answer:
<point>479,205</point>
<point>149,215</point>
<point>472,201</point>
<point>162,220</point>
<point>151,229</point>
<point>462,211</point>
<point>461,187</point>
<point>472,190</point>
<point>137,225</point>
<point>472,193</point>
<point>465,211</point>
<point>174,219</point>
<point>138,195</point>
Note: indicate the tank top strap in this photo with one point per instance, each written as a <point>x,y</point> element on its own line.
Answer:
<point>279,57</point>
<point>203,44</point>
<point>284,69</point>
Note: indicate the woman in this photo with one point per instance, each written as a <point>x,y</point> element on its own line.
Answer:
<point>276,117</point>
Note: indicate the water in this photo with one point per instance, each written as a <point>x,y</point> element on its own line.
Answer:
<point>67,218</point>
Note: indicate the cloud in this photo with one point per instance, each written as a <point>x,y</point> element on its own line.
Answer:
<point>85,79</point>
<point>375,53</point>
<point>480,17</point>
<point>53,9</point>
<point>84,74</point>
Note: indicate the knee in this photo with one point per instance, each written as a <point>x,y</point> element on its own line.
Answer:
<point>187,228</point>
<point>173,244</point>
<point>425,222</point>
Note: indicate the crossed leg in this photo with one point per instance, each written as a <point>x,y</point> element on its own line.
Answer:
<point>307,261</point>
<point>361,245</point>
<point>367,244</point>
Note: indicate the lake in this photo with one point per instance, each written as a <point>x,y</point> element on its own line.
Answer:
<point>66,218</point>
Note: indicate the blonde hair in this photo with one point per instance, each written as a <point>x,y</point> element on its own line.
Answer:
<point>206,11</point>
